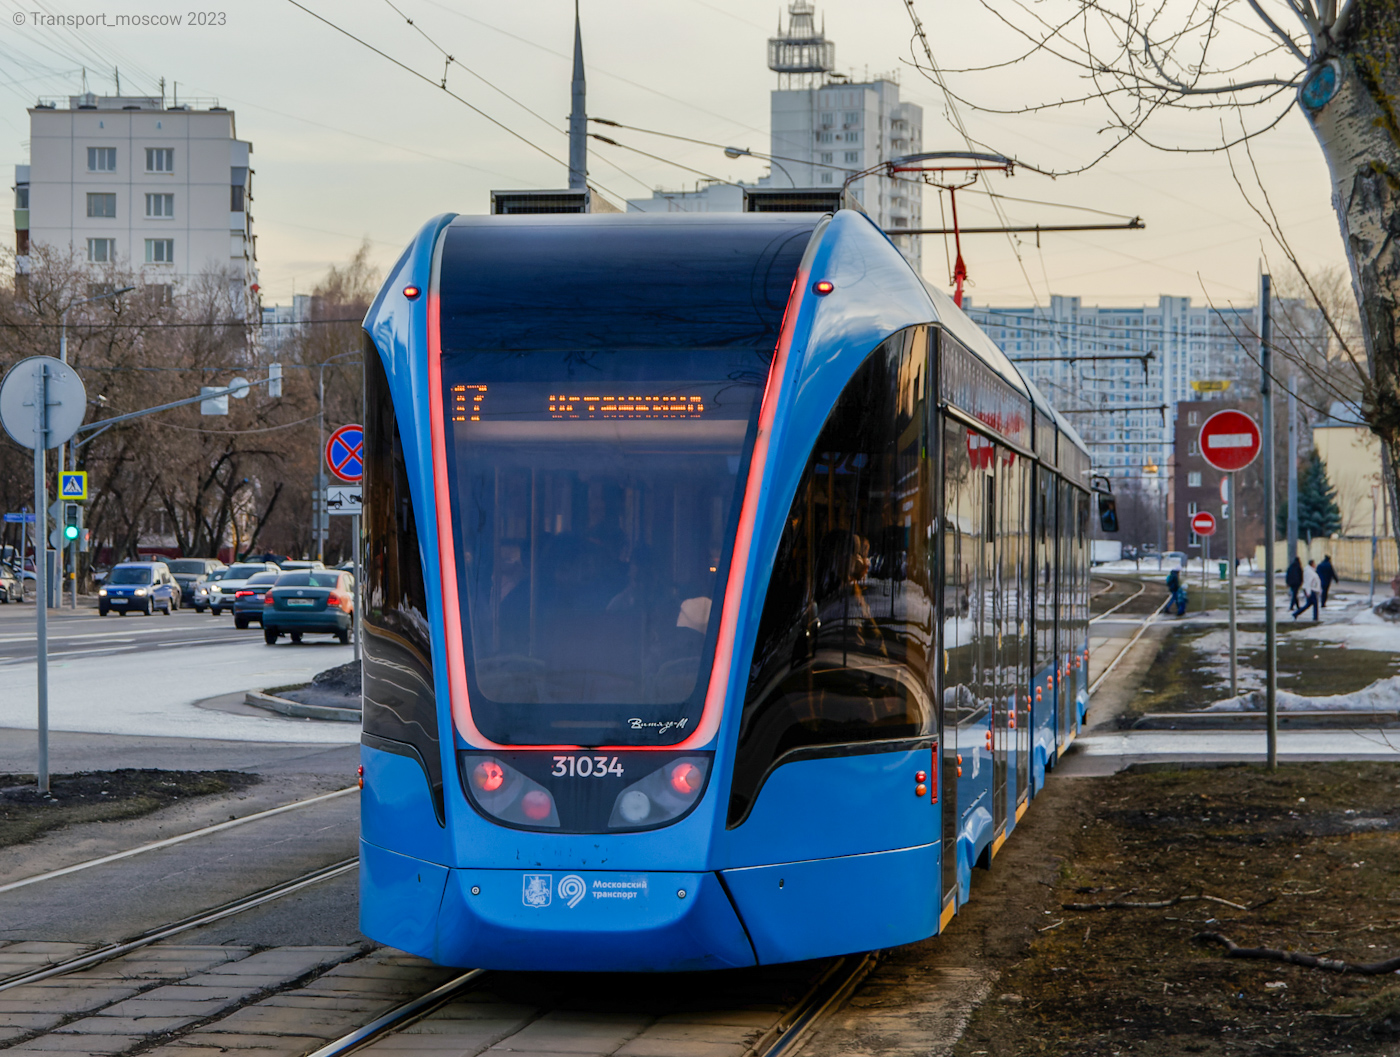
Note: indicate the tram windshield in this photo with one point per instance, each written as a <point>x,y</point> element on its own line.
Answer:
<point>594,503</point>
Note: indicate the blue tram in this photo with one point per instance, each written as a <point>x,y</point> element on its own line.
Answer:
<point>726,594</point>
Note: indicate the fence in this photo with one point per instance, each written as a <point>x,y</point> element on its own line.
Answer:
<point>1351,557</point>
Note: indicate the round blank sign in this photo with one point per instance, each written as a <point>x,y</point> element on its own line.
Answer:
<point>67,401</point>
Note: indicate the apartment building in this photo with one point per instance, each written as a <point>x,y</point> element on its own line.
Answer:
<point>164,189</point>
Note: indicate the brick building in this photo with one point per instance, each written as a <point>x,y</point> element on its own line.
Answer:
<point>1196,485</point>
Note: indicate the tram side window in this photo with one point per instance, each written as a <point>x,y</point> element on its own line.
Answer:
<point>1044,570</point>
<point>399,701</point>
<point>966,514</point>
<point>841,655</point>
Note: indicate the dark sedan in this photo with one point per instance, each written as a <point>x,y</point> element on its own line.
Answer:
<point>248,599</point>
<point>318,601</point>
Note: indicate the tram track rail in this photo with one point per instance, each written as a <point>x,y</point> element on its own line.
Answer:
<point>1141,588</point>
<point>169,842</point>
<point>827,993</point>
<point>1143,625</point>
<point>110,951</point>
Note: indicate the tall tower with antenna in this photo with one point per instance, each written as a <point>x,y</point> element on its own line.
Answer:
<point>578,115</point>
<point>802,57</point>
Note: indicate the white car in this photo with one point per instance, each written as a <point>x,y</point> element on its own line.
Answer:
<point>222,592</point>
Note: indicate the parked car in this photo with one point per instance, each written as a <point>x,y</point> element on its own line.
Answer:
<point>235,576</point>
<point>190,572</point>
<point>142,587</point>
<point>11,586</point>
<point>248,599</point>
<point>317,600</point>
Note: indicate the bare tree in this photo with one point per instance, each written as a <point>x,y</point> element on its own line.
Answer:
<point>1241,65</point>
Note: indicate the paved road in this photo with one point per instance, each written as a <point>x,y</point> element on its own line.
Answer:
<point>84,633</point>
<point>141,675</point>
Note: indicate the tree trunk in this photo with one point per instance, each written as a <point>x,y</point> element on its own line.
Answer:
<point>1352,98</point>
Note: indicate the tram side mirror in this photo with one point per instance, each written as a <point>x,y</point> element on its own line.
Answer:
<point>1108,513</point>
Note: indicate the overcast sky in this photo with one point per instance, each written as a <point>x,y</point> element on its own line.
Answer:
<point>348,146</point>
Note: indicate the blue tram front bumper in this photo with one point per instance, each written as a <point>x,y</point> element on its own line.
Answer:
<point>559,919</point>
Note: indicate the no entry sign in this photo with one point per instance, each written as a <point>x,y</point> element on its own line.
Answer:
<point>1230,440</point>
<point>345,453</point>
<point>1203,524</point>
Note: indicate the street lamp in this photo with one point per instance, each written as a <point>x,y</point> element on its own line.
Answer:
<point>63,449</point>
<point>744,152</point>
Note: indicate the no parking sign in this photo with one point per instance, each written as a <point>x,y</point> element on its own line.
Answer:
<point>345,453</point>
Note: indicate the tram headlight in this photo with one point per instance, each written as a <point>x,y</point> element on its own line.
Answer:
<point>634,806</point>
<point>664,794</point>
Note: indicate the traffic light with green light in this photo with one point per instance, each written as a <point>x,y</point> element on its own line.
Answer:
<point>72,521</point>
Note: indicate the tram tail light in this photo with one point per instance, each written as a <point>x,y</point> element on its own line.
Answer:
<point>686,778</point>
<point>488,776</point>
<point>502,792</point>
<point>665,793</point>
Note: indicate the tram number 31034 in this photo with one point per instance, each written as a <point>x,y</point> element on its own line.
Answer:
<point>586,767</point>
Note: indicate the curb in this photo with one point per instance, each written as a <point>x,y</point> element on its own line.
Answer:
<point>298,710</point>
<point>1309,719</point>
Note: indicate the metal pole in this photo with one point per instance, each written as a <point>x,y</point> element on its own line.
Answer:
<point>69,553</point>
<point>1230,529</point>
<point>41,573</point>
<point>1205,561</point>
<point>1373,547</point>
<point>321,518</point>
<point>355,557</point>
<point>1292,524</point>
<point>1266,393</point>
<point>24,546</point>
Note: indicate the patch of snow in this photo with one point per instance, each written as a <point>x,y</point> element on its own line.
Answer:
<point>1381,696</point>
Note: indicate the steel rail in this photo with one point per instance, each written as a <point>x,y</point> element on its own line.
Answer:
<point>794,1027</point>
<point>170,841</point>
<point>1120,605</point>
<point>828,994</point>
<point>401,1016</point>
<point>207,917</point>
<point>1146,623</point>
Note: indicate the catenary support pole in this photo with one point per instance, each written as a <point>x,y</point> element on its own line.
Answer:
<point>1266,393</point>
<point>1372,602</point>
<point>1292,522</point>
<point>355,555</point>
<point>1230,533</point>
<point>41,573</point>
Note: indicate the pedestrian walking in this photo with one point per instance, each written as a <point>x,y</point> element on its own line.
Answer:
<point>1311,589</point>
<point>1294,579</point>
<point>1176,586</point>
<point>1327,575</point>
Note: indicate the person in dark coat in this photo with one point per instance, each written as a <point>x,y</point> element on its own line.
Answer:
<point>1327,575</point>
<point>1294,579</point>
<point>1177,589</point>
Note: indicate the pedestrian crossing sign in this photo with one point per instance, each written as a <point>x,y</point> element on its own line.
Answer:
<point>72,484</point>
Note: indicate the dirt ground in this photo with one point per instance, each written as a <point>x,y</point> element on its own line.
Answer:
<point>1309,852</point>
<point>101,796</point>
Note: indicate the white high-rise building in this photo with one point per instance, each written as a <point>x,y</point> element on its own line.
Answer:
<point>129,180</point>
<point>825,128</point>
<point>1125,408</point>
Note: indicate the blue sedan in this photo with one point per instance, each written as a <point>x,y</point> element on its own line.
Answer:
<point>318,600</point>
<point>140,587</point>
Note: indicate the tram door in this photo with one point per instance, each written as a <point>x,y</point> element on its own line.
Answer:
<point>1064,601</point>
<point>1016,540</point>
<point>994,637</point>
